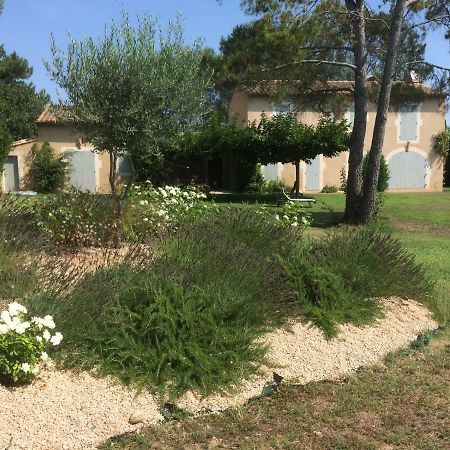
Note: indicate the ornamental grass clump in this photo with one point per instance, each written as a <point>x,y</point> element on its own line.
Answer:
<point>340,278</point>
<point>24,343</point>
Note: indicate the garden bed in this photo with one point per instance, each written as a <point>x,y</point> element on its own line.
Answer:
<point>64,410</point>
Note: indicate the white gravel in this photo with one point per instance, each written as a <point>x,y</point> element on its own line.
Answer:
<point>66,411</point>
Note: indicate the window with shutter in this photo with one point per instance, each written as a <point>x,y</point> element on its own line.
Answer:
<point>282,108</point>
<point>408,123</point>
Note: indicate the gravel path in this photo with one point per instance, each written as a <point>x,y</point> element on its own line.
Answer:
<point>66,411</point>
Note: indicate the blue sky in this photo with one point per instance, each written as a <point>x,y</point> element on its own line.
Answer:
<point>25,25</point>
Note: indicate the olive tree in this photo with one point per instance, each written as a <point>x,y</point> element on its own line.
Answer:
<point>132,92</point>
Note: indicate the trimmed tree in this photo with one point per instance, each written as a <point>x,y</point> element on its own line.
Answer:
<point>132,92</point>
<point>282,138</point>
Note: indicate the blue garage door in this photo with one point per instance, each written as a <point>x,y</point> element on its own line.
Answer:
<point>270,172</point>
<point>407,170</point>
<point>312,178</point>
<point>83,174</point>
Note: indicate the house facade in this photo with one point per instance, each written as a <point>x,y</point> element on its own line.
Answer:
<point>407,148</point>
<point>88,171</point>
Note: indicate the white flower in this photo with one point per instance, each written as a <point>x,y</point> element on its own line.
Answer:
<point>56,339</point>
<point>305,221</point>
<point>44,356</point>
<point>16,308</point>
<point>49,322</point>
<point>26,367</point>
<point>35,371</point>
<point>277,217</point>
<point>39,338</point>
<point>5,317</point>
<point>22,327</point>
<point>143,202</point>
<point>4,328</point>
<point>285,217</point>
<point>145,219</point>
<point>46,335</point>
<point>295,224</point>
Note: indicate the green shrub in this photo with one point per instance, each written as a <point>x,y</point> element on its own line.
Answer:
<point>327,189</point>
<point>47,173</point>
<point>77,220</point>
<point>272,186</point>
<point>24,343</point>
<point>249,177</point>
<point>340,278</point>
<point>383,177</point>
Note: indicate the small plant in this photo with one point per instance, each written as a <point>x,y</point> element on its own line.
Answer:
<point>329,189</point>
<point>273,186</point>
<point>24,343</point>
<point>383,176</point>
<point>441,143</point>
<point>47,172</point>
<point>294,215</point>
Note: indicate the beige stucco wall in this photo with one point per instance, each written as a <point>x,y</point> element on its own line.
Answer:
<point>431,121</point>
<point>62,139</point>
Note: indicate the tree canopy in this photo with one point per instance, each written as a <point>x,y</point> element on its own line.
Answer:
<point>20,104</point>
<point>133,91</point>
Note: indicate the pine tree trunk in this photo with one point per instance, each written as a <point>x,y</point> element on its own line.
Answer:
<point>368,204</point>
<point>354,177</point>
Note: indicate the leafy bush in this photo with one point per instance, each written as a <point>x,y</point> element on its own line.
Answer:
<point>152,210</point>
<point>24,343</point>
<point>441,143</point>
<point>47,173</point>
<point>172,325</point>
<point>272,186</point>
<point>340,278</point>
<point>327,189</point>
<point>383,177</point>
<point>77,219</point>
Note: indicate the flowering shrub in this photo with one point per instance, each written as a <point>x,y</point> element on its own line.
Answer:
<point>24,343</point>
<point>155,209</point>
<point>77,220</point>
<point>293,215</point>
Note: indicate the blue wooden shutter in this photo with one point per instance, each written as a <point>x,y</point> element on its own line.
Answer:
<point>408,123</point>
<point>312,179</point>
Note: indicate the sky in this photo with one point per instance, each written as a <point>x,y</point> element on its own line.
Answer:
<point>25,26</point>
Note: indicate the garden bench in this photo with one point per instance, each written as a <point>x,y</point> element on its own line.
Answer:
<point>308,201</point>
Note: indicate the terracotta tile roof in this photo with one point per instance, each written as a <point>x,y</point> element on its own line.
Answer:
<point>53,114</point>
<point>294,87</point>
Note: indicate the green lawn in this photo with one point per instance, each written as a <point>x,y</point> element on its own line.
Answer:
<point>404,403</point>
